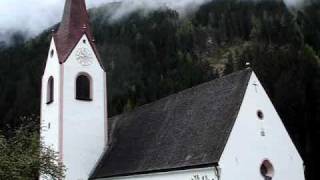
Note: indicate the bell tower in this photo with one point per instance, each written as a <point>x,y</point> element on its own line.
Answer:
<point>73,98</point>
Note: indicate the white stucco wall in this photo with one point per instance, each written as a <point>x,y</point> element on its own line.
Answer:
<point>84,122</point>
<point>193,174</point>
<point>77,128</point>
<point>50,112</point>
<point>247,148</point>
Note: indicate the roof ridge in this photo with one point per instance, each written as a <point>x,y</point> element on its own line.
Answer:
<point>249,70</point>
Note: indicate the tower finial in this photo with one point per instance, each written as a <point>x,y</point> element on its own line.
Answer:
<point>74,24</point>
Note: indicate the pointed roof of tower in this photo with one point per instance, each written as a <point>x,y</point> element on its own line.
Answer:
<point>74,24</point>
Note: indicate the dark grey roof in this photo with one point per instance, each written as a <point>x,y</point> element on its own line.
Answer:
<point>184,130</point>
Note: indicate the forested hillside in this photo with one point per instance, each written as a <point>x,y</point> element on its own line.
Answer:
<point>149,55</point>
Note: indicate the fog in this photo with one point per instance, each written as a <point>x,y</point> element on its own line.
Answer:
<point>33,16</point>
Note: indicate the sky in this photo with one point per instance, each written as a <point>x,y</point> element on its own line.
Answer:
<point>33,16</point>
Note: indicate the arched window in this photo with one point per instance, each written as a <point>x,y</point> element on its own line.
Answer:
<point>50,90</point>
<point>83,88</point>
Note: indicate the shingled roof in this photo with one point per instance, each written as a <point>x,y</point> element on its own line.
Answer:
<point>74,24</point>
<point>185,130</point>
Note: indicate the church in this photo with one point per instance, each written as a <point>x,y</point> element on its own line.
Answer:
<point>225,129</point>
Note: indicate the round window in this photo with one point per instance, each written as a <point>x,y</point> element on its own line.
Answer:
<point>267,170</point>
<point>260,114</point>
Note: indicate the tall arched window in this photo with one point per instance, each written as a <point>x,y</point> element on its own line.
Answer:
<point>50,91</point>
<point>83,88</point>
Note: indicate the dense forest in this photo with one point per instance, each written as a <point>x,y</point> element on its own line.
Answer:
<point>149,55</point>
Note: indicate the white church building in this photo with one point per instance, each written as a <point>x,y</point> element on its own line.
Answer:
<point>225,129</point>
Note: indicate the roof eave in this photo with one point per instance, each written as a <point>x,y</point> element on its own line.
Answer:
<point>214,164</point>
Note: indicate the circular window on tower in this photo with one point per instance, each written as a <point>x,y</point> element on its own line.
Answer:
<point>267,170</point>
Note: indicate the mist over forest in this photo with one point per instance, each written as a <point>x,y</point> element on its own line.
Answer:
<point>14,12</point>
<point>152,53</point>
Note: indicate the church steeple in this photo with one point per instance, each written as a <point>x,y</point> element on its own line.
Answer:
<point>74,24</point>
<point>74,97</point>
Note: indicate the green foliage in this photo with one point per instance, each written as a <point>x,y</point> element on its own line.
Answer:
<point>148,57</point>
<point>23,157</point>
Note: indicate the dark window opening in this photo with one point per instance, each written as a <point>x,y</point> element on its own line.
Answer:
<point>267,170</point>
<point>50,87</point>
<point>260,114</point>
<point>83,88</point>
<point>51,53</point>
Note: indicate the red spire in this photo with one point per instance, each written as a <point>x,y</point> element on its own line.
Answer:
<point>75,23</point>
